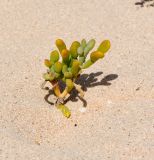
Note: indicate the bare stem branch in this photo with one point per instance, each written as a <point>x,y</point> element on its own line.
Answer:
<point>78,88</point>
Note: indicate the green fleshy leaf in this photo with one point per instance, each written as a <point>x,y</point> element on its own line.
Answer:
<point>48,76</point>
<point>96,55</point>
<point>57,75</point>
<point>73,49</point>
<point>48,63</point>
<point>64,68</point>
<point>68,75</point>
<point>81,60</point>
<point>104,46</point>
<point>80,51</point>
<point>64,79</point>
<point>54,56</point>
<point>58,67</point>
<point>87,64</point>
<point>83,43</point>
<point>60,45</point>
<point>65,55</point>
<point>69,69</point>
<point>69,84</point>
<point>75,67</point>
<point>90,45</point>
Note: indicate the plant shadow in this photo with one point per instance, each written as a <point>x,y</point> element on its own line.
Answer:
<point>147,3</point>
<point>86,81</point>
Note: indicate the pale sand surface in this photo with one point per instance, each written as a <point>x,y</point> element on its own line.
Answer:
<point>119,120</point>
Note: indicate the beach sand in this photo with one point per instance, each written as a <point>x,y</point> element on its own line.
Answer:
<point>118,122</point>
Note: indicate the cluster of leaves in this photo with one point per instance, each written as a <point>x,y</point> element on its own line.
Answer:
<point>70,65</point>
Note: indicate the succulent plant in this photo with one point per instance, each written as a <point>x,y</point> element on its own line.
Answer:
<point>69,68</point>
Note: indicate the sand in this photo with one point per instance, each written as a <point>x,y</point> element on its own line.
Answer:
<point>118,122</point>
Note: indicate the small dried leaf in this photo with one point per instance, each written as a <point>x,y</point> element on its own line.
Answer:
<point>65,110</point>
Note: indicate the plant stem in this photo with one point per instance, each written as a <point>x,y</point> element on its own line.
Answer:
<point>78,88</point>
<point>57,91</point>
<point>64,93</point>
<point>56,88</point>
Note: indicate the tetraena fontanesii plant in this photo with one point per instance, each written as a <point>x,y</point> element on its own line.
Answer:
<point>69,67</point>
